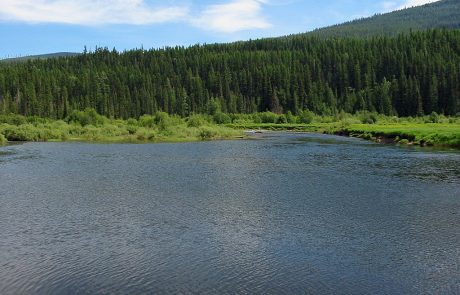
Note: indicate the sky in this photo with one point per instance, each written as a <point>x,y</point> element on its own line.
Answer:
<point>30,27</point>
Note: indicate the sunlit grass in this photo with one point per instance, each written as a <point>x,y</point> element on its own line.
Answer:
<point>158,128</point>
<point>87,125</point>
<point>414,133</point>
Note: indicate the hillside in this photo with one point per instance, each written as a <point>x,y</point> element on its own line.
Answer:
<point>41,56</point>
<point>441,14</point>
<point>406,75</point>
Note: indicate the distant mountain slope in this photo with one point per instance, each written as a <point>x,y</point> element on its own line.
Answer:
<point>441,14</point>
<point>41,56</point>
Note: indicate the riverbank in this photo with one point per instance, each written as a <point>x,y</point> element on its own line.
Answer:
<point>422,134</point>
<point>89,126</point>
<point>155,129</point>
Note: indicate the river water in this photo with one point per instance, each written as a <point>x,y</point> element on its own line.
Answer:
<point>279,213</point>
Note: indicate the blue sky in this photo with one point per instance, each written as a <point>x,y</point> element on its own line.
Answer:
<point>44,26</point>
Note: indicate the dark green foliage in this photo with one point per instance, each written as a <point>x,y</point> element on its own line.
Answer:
<point>13,119</point>
<point>407,75</point>
<point>147,121</point>
<point>221,118</point>
<point>162,120</point>
<point>282,119</point>
<point>268,117</point>
<point>434,118</point>
<point>306,117</point>
<point>290,118</point>
<point>207,133</point>
<point>87,117</point>
<point>196,121</point>
<point>368,118</point>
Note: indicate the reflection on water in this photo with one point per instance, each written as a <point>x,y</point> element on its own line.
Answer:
<point>288,213</point>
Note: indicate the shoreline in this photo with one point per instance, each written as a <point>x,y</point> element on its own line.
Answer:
<point>416,134</point>
<point>423,135</point>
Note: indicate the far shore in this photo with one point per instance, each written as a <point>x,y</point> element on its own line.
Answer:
<point>88,126</point>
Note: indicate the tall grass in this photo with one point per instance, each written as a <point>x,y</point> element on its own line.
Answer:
<point>87,125</point>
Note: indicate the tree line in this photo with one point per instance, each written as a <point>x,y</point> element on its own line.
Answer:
<point>406,75</point>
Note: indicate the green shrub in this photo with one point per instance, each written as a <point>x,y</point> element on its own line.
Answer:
<point>268,117</point>
<point>368,118</point>
<point>434,118</point>
<point>132,129</point>
<point>3,140</point>
<point>147,121</point>
<point>144,134</point>
<point>291,118</point>
<point>256,119</point>
<point>87,117</point>
<point>132,121</point>
<point>404,141</point>
<point>207,133</point>
<point>13,119</point>
<point>281,119</point>
<point>25,132</point>
<point>162,120</point>
<point>221,118</point>
<point>195,121</point>
<point>306,117</point>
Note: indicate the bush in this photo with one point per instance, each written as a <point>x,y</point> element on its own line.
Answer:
<point>25,132</point>
<point>256,119</point>
<point>13,119</point>
<point>161,120</point>
<point>195,121</point>
<point>306,117</point>
<point>281,119</point>
<point>144,134</point>
<point>221,118</point>
<point>207,133</point>
<point>291,118</point>
<point>3,140</point>
<point>268,117</point>
<point>368,118</point>
<point>87,117</point>
<point>132,129</point>
<point>434,118</point>
<point>147,121</point>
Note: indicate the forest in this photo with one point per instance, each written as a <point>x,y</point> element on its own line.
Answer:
<point>411,74</point>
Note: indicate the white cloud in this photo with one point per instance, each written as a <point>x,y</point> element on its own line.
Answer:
<point>411,3</point>
<point>389,5</point>
<point>88,12</point>
<point>237,15</point>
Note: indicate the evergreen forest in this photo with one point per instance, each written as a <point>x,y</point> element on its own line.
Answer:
<point>409,74</point>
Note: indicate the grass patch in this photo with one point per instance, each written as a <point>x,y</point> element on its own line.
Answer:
<point>425,134</point>
<point>89,126</point>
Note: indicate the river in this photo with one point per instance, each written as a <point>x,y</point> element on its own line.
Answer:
<point>279,213</point>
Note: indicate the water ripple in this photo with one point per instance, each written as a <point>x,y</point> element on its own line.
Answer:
<point>285,214</point>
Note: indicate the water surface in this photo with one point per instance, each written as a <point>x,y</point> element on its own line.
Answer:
<point>282,213</point>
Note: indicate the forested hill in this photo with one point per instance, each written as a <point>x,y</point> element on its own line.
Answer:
<point>441,14</point>
<point>41,56</point>
<point>409,74</point>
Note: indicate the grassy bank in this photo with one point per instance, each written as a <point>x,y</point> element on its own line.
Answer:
<point>89,126</point>
<point>432,130</point>
<point>424,134</point>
